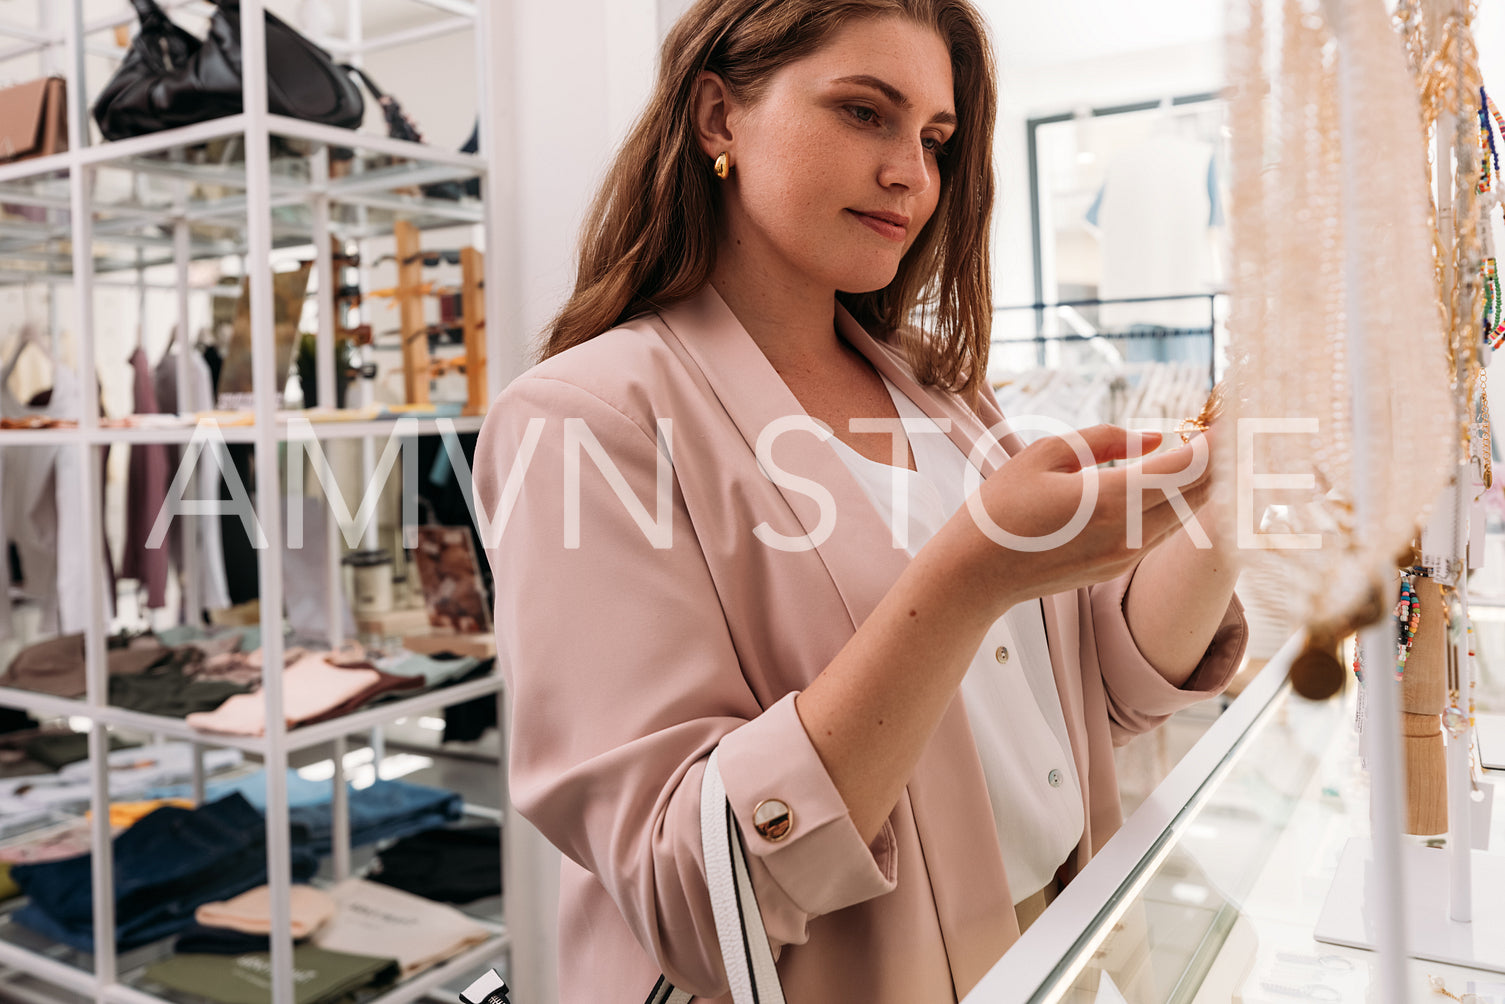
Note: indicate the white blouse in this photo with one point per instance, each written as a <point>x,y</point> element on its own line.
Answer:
<point>1009,690</point>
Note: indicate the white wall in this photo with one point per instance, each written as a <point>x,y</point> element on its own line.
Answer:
<point>1031,90</point>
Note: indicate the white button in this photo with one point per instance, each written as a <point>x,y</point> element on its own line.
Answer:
<point>1002,655</point>
<point>1054,777</point>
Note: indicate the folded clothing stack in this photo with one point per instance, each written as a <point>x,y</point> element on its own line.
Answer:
<point>383,810</point>
<point>417,932</point>
<point>452,866</point>
<point>144,674</point>
<point>132,771</point>
<point>359,934</point>
<point>165,867</point>
<point>322,976</point>
<point>244,924</point>
<point>316,687</point>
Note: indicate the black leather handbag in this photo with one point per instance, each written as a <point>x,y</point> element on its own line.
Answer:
<point>169,78</point>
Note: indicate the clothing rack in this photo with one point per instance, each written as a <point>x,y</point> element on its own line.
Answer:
<point>1086,331</point>
<point>355,208</point>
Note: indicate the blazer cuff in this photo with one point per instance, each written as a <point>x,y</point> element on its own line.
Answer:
<point>820,864</point>
<point>1134,684</point>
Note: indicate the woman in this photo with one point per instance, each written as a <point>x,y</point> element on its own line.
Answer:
<point>807,174</point>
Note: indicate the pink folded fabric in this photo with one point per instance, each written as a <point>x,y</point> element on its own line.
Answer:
<point>251,911</point>
<point>311,687</point>
<point>66,840</point>
<point>241,667</point>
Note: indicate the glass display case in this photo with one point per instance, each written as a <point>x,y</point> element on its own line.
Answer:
<point>1212,890</point>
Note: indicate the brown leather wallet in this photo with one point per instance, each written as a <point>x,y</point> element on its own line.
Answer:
<point>33,119</point>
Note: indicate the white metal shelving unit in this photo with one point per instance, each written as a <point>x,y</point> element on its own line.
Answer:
<point>272,203</point>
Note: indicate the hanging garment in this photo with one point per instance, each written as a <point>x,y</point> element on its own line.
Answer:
<point>1155,213</point>
<point>469,720</point>
<point>43,491</point>
<point>306,573</point>
<point>75,567</point>
<point>23,373</point>
<point>209,558</point>
<point>30,514</point>
<point>147,478</point>
<point>214,360</point>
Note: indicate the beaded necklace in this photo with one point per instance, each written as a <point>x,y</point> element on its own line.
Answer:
<point>1486,103</point>
<point>1407,616</point>
<point>1407,619</point>
<point>1494,315</point>
<point>1489,155</point>
<point>1453,717</point>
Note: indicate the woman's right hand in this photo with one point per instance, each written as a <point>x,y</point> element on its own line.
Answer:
<point>1026,531</point>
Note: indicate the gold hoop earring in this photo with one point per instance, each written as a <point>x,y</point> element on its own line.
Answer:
<point>723,166</point>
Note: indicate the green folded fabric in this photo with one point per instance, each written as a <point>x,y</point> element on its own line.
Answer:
<point>8,887</point>
<point>319,976</point>
<point>59,749</point>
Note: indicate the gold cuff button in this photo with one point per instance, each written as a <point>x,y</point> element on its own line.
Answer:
<point>772,819</point>
<point>1002,655</point>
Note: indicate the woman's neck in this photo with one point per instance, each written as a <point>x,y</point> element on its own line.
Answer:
<point>793,323</point>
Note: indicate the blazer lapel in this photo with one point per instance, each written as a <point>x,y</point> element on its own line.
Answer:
<point>858,552</point>
<point>956,829</point>
<point>965,429</point>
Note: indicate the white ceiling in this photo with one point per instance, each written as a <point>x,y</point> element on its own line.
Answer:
<point>1029,33</point>
<point>1026,32</point>
<point>378,16</point>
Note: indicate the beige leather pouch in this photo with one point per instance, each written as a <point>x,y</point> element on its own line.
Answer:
<point>33,119</point>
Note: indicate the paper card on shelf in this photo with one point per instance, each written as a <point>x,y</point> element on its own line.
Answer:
<point>1483,815</point>
<point>331,414</point>
<point>1108,992</point>
<point>1489,734</point>
<point>1489,993</point>
<point>305,574</point>
<point>226,418</point>
<point>1478,520</point>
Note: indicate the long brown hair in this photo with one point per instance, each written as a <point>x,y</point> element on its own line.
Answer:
<point>650,238</point>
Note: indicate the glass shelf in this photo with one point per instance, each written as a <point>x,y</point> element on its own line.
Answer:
<point>1212,890</point>
<point>242,432</point>
<point>142,186</point>
<point>299,738</point>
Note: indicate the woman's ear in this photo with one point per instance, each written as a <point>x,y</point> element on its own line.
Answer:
<point>712,108</point>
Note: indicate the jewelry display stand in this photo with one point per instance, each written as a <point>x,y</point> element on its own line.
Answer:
<point>1428,891</point>
<point>1348,916</point>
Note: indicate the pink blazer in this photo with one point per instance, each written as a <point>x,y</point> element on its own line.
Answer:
<point>628,663</point>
